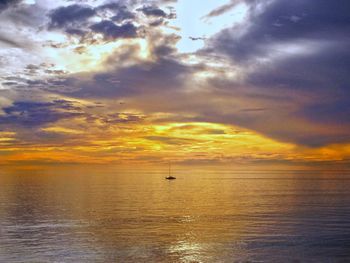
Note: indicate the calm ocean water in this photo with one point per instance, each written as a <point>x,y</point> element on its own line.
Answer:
<point>109,215</point>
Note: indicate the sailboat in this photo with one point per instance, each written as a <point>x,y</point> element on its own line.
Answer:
<point>169,177</point>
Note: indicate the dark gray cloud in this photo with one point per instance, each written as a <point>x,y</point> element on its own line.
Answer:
<point>284,21</point>
<point>68,15</point>
<point>32,114</point>
<point>157,22</point>
<point>74,20</point>
<point>76,31</point>
<point>324,72</point>
<point>123,15</point>
<point>136,80</point>
<point>154,11</point>
<point>111,31</point>
<point>4,4</point>
<point>120,13</point>
<point>117,20</point>
<point>298,49</point>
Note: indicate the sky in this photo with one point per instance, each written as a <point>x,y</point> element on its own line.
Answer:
<point>191,82</point>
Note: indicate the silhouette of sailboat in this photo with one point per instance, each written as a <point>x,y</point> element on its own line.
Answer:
<point>169,177</point>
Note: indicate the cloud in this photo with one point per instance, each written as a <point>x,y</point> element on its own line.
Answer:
<point>171,140</point>
<point>135,80</point>
<point>222,9</point>
<point>168,1</point>
<point>277,24</point>
<point>157,22</point>
<point>68,15</point>
<point>32,114</point>
<point>22,15</point>
<point>10,42</point>
<point>116,118</point>
<point>115,21</point>
<point>299,51</point>
<point>126,75</point>
<point>154,11</point>
<point>4,4</point>
<point>111,31</point>
<point>120,12</point>
<point>281,73</point>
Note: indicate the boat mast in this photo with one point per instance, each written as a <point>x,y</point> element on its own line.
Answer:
<point>169,167</point>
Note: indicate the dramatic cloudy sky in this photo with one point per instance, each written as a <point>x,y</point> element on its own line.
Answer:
<point>215,81</point>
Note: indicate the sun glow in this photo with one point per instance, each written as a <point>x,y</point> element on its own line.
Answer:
<point>82,58</point>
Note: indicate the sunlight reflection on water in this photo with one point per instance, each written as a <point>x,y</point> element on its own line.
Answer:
<point>106,215</point>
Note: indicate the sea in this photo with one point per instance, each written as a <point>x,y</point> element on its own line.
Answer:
<point>112,214</point>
